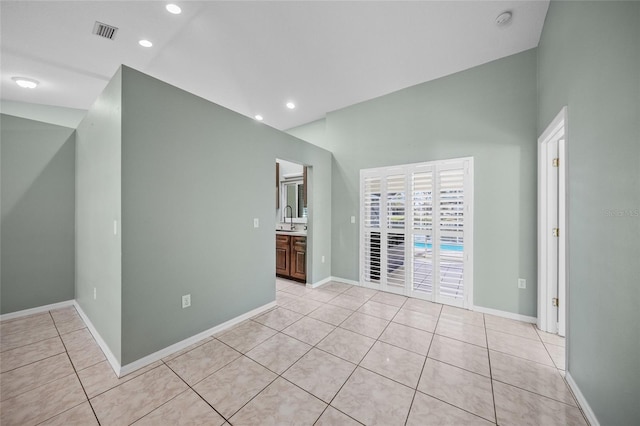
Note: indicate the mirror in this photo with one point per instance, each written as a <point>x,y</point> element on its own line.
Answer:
<point>293,195</point>
<point>291,191</point>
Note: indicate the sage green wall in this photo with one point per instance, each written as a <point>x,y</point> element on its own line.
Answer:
<point>194,176</point>
<point>487,112</point>
<point>60,116</point>
<point>98,250</point>
<point>314,132</point>
<point>37,228</point>
<point>589,60</point>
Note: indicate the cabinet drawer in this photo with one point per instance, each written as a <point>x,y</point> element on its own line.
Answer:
<point>299,242</point>
<point>282,239</point>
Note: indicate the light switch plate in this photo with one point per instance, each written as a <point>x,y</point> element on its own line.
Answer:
<point>256,223</point>
<point>353,219</point>
<point>186,301</point>
<point>522,283</point>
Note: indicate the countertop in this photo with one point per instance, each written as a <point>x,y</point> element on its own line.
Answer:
<point>293,233</point>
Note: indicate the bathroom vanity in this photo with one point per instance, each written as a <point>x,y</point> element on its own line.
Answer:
<point>291,255</point>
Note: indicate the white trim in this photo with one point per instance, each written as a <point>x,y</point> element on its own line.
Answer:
<point>506,314</point>
<point>38,310</point>
<point>562,240</point>
<point>558,122</point>
<point>115,364</point>
<point>156,356</point>
<point>582,401</point>
<point>319,283</point>
<point>346,281</point>
<point>546,288</point>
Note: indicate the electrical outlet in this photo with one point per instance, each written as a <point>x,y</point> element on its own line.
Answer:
<point>322,259</point>
<point>522,283</point>
<point>95,293</point>
<point>256,222</point>
<point>186,301</point>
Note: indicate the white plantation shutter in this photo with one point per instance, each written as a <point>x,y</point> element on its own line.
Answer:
<point>395,222</point>
<point>422,229</point>
<point>451,231</point>
<point>371,190</point>
<point>416,230</point>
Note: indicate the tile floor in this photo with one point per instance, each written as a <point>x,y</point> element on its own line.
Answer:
<point>336,355</point>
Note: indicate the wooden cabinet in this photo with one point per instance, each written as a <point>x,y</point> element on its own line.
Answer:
<point>298,258</point>
<point>283,255</point>
<point>291,257</point>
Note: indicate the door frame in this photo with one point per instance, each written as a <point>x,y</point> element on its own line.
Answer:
<point>550,318</point>
<point>407,169</point>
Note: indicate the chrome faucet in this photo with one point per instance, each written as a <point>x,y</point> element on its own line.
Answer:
<point>291,216</point>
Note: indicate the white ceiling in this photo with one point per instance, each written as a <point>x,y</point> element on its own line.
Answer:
<point>253,57</point>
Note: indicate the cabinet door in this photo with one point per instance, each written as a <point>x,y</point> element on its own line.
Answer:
<point>283,255</point>
<point>299,258</point>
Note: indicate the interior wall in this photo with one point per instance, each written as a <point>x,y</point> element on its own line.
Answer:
<point>487,112</point>
<point>98,205</point>
<point>589,60</point>
<point>194,177</point>
<point>314,132</point>
<point>60,116</point>
<point>37,228</point>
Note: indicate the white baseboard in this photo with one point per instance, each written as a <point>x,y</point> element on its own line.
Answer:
<point>586,408</point>
<point>505,314</point>
<point>38,310</point>
<point>113,361</point>
<point>156,356</point>
<point>329,279</point>
<point>319,283</point>
<point>345,281</point>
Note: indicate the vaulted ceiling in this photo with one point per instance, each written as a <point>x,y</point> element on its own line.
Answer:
<point>254,57</point>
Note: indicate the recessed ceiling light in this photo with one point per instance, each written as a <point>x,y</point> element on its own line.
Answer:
<point>145,43</point>
<point>27,83</point>
<point>174,8</point>
<point>258,117</point>
<point>503,18</point>
<point>291,105</point>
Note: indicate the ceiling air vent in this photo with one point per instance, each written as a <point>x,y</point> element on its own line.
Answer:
<point>104,30</point>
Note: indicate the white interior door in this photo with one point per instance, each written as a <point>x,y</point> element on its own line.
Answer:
<point>552,229</point>
<point>562,239</point>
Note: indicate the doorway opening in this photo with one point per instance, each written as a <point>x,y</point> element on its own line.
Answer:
<point>552,226</point>
<point>293,217</point>
<point>416,230</point>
